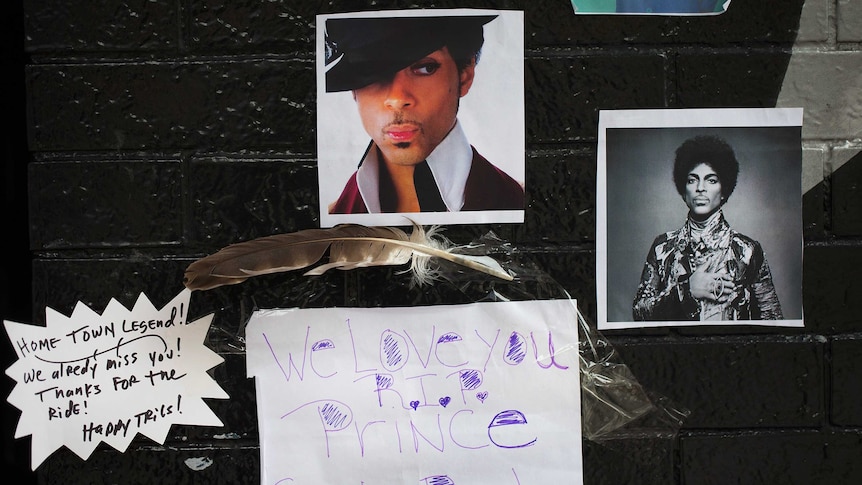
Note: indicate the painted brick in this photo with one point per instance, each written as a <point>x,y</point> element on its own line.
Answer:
<point>849,17</point>
<point>846,376</point>
<point>791,458</point>
<point>554,23</point>
<point>814,25</point>
<point>171,105</point>
<point>105,203</point>
<point>561,200</point>
<point>829,113</point>
<point>645,460</point>
<point>833,289</point>
<point>229,87</point>
<point>734,382</point>
<point>750,22</point>
<point>95,279</point>
<point>564,95</point>
<point>273,25</point>
<point>56,26</point>
<point>278,195</point>
<point>814,211</point>
<point>847,198</point>
<point>813,170</point>
<point>841,155</point>
<point>253,26</point>
<point>216,25</point>
<point>719,79</point>
<point>570,268</point>
<point>282,290</point>
<point>145,464</point>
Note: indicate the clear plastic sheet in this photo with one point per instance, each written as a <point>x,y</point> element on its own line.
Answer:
<point>614,404</point>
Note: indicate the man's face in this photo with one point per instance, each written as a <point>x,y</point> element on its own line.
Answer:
<point>702,192</point>
<point>408,115</point>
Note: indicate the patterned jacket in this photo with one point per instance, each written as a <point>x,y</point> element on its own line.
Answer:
<point>663,293</point>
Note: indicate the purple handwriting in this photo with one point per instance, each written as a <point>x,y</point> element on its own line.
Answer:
<point>508,429</point>
<point>398,349</point>
<point>429,480</point>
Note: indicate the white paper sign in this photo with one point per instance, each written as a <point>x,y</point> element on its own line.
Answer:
<point>90,378</point>
<point>486,393</point>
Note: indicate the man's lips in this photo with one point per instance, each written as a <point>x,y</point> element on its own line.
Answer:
<point>401,133</point>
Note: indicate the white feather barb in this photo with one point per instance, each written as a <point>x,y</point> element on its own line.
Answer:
<point>349,246</point>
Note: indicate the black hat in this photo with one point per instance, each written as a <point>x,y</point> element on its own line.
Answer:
<point>361,51</point>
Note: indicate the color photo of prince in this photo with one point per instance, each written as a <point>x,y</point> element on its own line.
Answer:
<point>421,117</point>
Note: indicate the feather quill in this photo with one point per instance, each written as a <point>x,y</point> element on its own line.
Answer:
<point>349,247</point>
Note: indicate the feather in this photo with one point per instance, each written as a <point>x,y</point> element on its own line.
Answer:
<point>349,246</point>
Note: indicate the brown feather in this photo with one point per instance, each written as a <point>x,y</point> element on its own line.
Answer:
<point>349,246</point>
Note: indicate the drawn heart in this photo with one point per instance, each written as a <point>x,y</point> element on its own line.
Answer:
<point>482,395</point>
<point>444,401</point>
<point>414,404</point>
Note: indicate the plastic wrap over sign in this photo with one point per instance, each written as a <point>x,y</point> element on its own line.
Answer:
<point>447,394</point>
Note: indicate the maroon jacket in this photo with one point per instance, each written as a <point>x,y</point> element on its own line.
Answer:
<point>487,188</point>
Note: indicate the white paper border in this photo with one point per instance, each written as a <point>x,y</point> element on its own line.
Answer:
<point>491,114</point>
<point>671,118</point>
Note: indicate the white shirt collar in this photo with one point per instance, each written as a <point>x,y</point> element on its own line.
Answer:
<point>450,164</point>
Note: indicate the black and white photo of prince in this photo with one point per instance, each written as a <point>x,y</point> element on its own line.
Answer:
<point>703,224</point>
<point>705,270</point>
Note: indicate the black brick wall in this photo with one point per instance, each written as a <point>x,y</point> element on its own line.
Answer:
<point>143,134</point>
